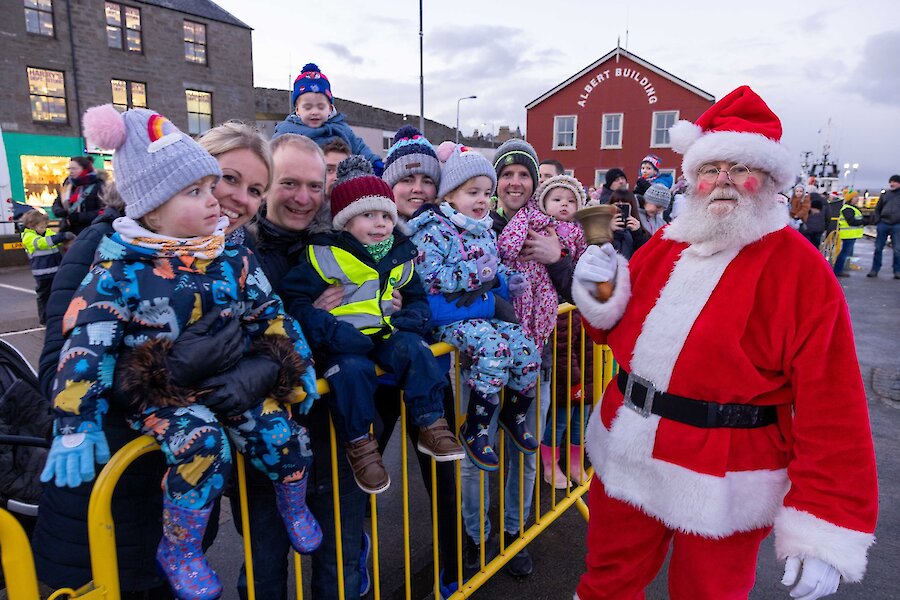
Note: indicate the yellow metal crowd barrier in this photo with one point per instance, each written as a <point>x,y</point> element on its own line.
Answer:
<point>18,566</point>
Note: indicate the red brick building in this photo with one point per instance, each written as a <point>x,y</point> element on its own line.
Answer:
<point>612,114</point>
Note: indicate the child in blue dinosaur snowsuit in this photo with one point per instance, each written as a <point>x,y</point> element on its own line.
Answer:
<point>166,267</point>
<point>458,252</point>
<point>316,117</point>
<point>371,261</point>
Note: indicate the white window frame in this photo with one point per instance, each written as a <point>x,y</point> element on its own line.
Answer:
<point>569,172</point>
<point>653,143</point>
<point>556,121</point>
<point>387,139</point>
<point>600,177</point>
<point>603,144</point>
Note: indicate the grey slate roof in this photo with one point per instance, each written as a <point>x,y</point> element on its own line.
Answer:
<point>200,8</point>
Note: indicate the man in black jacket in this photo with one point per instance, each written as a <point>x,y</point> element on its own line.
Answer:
<point>887,223</point>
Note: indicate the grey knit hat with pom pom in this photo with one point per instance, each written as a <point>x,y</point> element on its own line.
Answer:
<point>359,191</point>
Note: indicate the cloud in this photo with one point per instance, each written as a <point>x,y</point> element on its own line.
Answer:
<point>344,53</point>
<point>875,77</point>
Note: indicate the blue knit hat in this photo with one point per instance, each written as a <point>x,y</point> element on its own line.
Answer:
<point>311,80</point>
<point>411,153</point>
<point>463,165</point>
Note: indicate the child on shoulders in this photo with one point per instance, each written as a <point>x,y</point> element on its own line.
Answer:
<point>316,117</point>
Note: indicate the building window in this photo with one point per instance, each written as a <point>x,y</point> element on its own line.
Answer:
<point>128,94</point>
<point>662,121</point>
<point>39,17</point>
<point>42,177</point>
<point>48,95</point>
<point>612,130</point>
<point>199,109</point>
<point>599,177</point>
<point>564,130</point>
<point>123,27</point>
<point>195,42</point>
<point>387,140</point>
<point>670,172</point>
<point>569,172</point>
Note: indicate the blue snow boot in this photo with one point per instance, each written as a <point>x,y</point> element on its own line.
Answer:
<point>302,527</point>
<point>180,553</point>
<point>512,420</point>
<point>474,433</point>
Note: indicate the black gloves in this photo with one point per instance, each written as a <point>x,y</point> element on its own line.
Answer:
<point>504,311</point>
<point>465,299</point>
<point>244,386</point>
<point>200,351</point>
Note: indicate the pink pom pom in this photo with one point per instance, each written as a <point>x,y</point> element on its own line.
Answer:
<point>445,150</point>
<point>104,127</point>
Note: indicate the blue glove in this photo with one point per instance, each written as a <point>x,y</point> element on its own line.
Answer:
<point>308,383</point>
<point>516,283</point>
<point>71,458</point>
<point>378,167</point>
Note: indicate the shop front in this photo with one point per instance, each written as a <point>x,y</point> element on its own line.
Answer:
<point>37,165</point>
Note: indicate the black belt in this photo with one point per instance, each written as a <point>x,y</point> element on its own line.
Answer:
<point>698,413</point>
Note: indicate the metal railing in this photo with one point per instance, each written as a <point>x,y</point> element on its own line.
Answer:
<point>19,568</point>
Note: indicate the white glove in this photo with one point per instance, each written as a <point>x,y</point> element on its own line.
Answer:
<point>598,263</point>
<point>817,580</point>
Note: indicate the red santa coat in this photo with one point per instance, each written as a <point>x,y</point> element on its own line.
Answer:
<point>766,324</point>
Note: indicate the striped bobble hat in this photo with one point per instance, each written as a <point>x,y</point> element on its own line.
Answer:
<point>311,80</point>
<point>359,191</point>
<point>411,153</point>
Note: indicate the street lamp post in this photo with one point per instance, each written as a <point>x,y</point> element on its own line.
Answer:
<point>457,113</point>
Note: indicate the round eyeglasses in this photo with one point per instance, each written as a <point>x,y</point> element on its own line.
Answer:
<point>737,174</point>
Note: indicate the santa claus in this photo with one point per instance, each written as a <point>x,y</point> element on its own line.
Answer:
<point>738,407</point>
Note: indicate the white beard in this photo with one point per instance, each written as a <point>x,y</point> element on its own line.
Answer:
<point>713,226</point>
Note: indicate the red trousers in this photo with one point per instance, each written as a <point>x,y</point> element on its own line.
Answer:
<point>626,549</point>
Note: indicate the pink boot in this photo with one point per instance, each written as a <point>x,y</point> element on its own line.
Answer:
<point>577,473</point>
<point>553,475</point>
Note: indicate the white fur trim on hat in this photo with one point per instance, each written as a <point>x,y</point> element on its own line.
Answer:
<point>682,134</point>
<point>364,205</point>
<point>751,149</point>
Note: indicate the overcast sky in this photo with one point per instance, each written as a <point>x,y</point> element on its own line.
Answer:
<point>810,62</point>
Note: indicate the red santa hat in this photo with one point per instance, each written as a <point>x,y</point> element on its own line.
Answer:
<point>740,128</point>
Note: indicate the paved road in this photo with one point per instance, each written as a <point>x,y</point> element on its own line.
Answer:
<point>559,551</point>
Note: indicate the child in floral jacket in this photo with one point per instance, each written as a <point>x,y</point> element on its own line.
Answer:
<point>458,252</point>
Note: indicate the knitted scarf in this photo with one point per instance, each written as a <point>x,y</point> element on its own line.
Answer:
<point>205,246</point>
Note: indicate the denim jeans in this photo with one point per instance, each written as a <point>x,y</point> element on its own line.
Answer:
<point>470,473</point>
<point>268,538</point>
<point>579,422</point>
<point>883,231</point>
<point>845,253</point>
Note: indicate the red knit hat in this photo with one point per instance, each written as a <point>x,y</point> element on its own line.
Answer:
<point>740,128</point>
<point>359,191</point>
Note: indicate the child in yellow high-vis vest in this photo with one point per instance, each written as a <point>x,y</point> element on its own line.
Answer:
<point>374,263</point>
<point>43,248</point>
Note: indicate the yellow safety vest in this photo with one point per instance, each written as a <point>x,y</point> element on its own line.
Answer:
<point>366,305</point>
<point>849,232</point>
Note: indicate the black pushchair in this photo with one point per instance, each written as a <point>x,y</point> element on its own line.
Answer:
<point>25,427</point>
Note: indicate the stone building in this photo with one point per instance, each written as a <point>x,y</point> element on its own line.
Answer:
<point>190,60</point>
